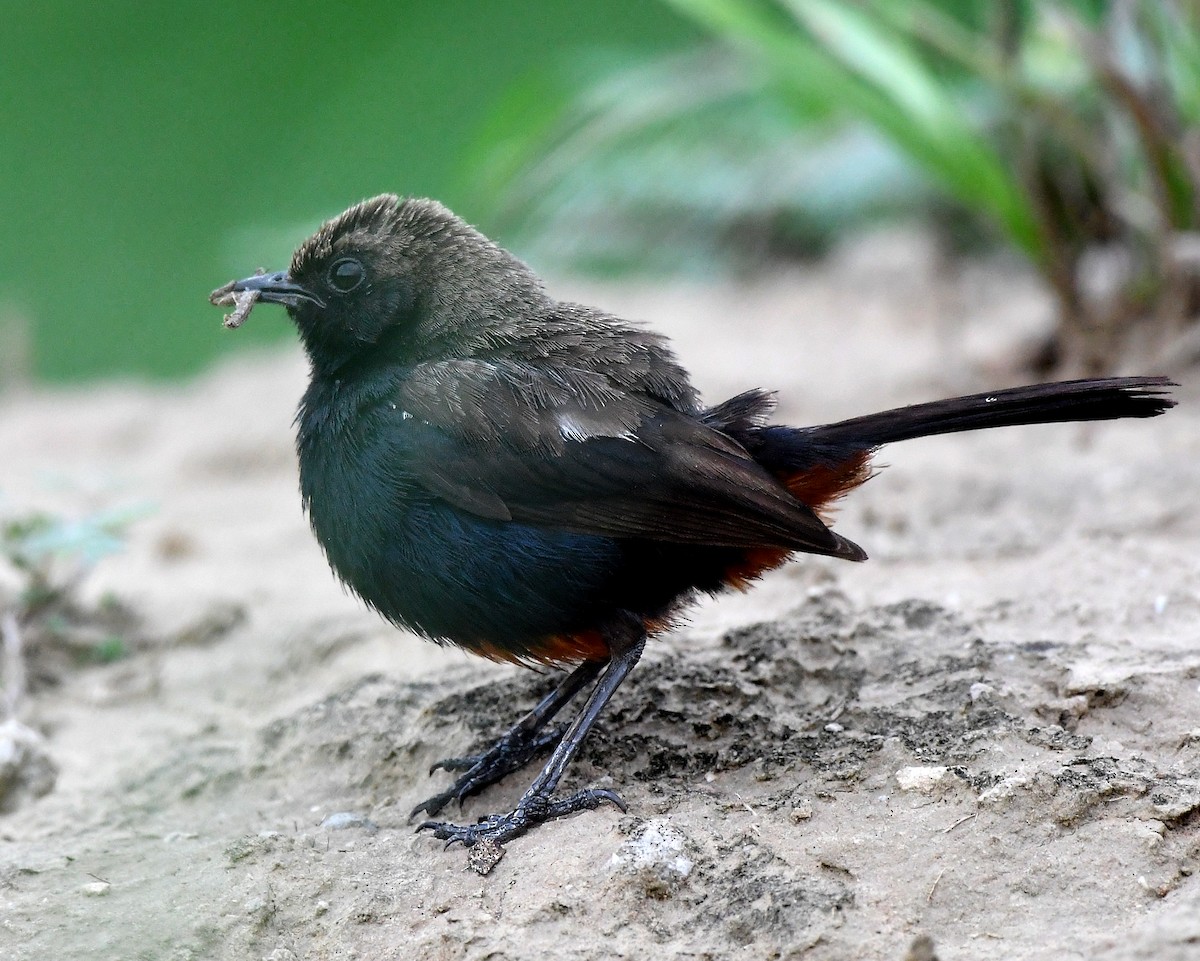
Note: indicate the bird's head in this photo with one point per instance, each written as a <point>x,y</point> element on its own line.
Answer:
<point>393,275</point>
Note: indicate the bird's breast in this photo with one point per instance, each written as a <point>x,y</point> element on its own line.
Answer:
<point>356,492</point>
<point>425,564</point>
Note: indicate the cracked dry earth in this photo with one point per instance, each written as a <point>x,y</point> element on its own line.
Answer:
<point>984,743</point>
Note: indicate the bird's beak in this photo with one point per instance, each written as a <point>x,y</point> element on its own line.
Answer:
<point>276,288</point>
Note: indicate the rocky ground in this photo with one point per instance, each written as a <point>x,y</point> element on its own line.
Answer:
<point>985,743</point>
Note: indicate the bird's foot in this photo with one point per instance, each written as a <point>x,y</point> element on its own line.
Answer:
<point>511,753</point>
<point>531,810</point>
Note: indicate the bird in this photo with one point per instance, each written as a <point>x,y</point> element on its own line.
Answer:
<point>538,481</point>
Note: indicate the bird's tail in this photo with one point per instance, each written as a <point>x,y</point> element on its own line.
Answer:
<point>1108,398</point>
<point>819,465</point>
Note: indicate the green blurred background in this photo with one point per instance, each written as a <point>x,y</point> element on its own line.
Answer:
<point>152,151</point>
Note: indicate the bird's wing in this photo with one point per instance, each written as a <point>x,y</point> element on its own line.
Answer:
<point>533,447</point>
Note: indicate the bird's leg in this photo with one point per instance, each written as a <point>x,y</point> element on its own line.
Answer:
<point>524,741</point>
<point>539,804</point>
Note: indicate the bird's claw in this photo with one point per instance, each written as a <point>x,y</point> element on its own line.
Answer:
<point>511,753</point>
<point>530,811</point>
<point>456,763</point>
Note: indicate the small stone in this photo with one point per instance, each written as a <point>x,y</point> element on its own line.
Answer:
<point>655,857</point>
<point>801,812</point>
<point>980,692</point>
<point>834,728</point>
<point>1103,684</point>
<point>96,889</point>
<point>922,779</point>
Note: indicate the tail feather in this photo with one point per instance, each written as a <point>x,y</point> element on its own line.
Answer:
<point>1107,398</point>
<point>821,464</point>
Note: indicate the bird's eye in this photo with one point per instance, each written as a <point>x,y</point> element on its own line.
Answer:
<point>346,274</point>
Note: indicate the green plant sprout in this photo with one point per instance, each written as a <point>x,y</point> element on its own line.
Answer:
<point>51,556</point>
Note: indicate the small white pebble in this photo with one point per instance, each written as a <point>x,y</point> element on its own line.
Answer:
<point>980,692</point>
<point>923,779</point>
<point>96,889</point>
<point>657,846</point>
<point>1160,604</point>
<point>834,728</point>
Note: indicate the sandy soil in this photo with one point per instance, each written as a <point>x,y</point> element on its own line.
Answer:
<point>988,736</point>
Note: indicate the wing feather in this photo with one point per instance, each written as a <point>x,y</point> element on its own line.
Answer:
<point>552,447</point>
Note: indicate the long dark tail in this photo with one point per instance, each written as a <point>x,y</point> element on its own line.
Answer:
<point>1108,398</point>
<point>821,464</point>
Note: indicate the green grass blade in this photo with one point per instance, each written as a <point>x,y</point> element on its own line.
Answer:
<point>843,58</point>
